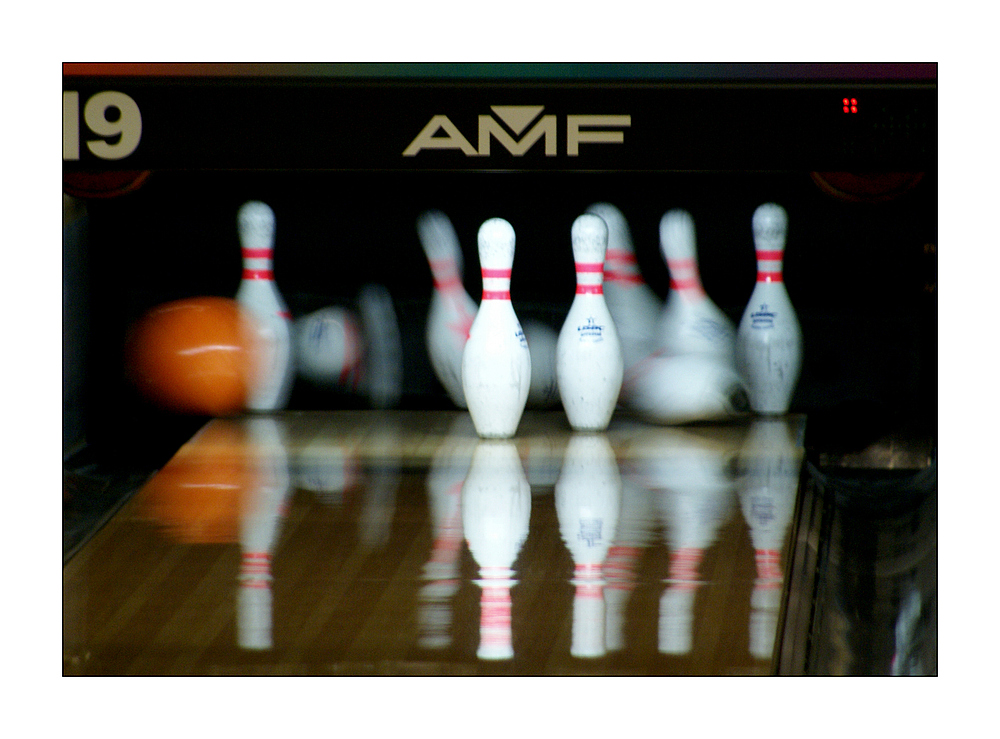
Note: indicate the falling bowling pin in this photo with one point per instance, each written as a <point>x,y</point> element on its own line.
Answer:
<point>328,348</point>
<point>691,323</point>
<point>635,307</point>
<point>496,365</point>
<point>259,294</point>
<point>769,340</point>
<point>589,363</point>
<point>452,310</point>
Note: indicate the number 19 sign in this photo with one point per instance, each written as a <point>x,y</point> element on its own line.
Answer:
<point>118,133</point>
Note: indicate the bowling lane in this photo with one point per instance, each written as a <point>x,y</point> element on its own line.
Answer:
<point>398,543</point>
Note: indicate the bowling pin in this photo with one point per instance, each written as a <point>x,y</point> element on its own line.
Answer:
<point>496,508</point>
<point>452,310</point>
<point>543,391</point>
<point>769,340</point>
<point>635,308</point>
<point>496,365</point>
<point>589,364</point>
<point>328,348</point>
<point>588,498</point>
<point>685,388</point>
<point>691,323</point>
<point>260,522</point>
<point>382,379</point>
<point>770,463</point>
<point>259,294</point>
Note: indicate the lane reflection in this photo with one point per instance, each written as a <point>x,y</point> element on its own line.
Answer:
<point>588,497</point>
<point>449,467</point>
<point>260,523</point>
<point>496,508</point>
<point>770,462</point>
<point>692,484</point>
<point>630,507</point>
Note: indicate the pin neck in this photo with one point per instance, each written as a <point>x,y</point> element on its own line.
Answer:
<point>684,277</point>
<point>769,265</point>
<point>257,263</point>
<point>620,266</point>
<point>496,284</point>
<point>589,278</point>
<point>445,273</point>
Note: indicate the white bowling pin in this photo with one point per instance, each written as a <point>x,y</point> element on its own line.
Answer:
<point>496,508</point>
<point>260,522</point>
<point>770,462</point>
<point>634,305</point>
<point>685,388</point>
<point>328,348</point>
<point>452,310</point>
<point>769,340</point>
<point>259,293</point>
<point>588,499</point>
<point>383,360</point>
<point>544,389</point>
<point>589,364</point>
<point>691,323</point>
<point>496,365</point>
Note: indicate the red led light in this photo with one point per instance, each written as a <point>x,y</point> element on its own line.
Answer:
<point>850,105</point>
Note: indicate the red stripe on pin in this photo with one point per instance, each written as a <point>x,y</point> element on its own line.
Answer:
<point>590,267</point>
<point>449,283</point>
<point>769,277</point>
<point>258,253</point>
<point>589,290</point>
<point>496,295</point>
<point>612,276</point>
<point>488,273</point>
<point>258,274</point>
<point>770,256</point>
<point>685,284</point>
<point>616,255</point>
<point>682,263</point>
<point>285,314</point>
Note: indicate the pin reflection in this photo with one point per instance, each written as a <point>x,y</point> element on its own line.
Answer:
<point>496,507</point>
<point>588,498</point>
<point>770,461</point>
<point>633,534</point>
<point>381,484</point>
<point>695,496</point>
<point>448,470</point>
<point>260,524</point>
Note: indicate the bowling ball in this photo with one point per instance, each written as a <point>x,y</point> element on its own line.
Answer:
<point>194,356</point>
<point>199,495</point>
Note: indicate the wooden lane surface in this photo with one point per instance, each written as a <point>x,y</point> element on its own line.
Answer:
<point>352,590</point>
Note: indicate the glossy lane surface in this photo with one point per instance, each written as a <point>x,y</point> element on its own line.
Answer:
<point>399,543</point>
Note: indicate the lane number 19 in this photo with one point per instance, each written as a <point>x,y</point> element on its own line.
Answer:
<point>113,116</point>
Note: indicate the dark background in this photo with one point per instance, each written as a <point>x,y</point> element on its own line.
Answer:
<point>861,274</point>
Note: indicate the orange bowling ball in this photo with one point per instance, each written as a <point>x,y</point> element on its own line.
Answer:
<point>194,356</point>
